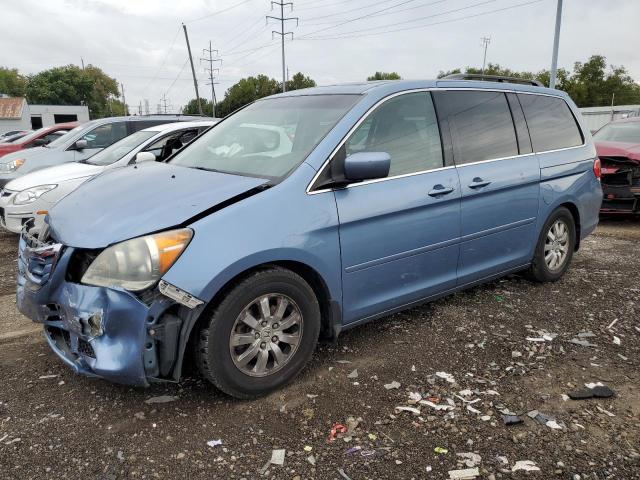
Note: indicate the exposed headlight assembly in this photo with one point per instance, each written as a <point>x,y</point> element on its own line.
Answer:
<point>139,263</point>
<point>11,166</point>
<point>32,194</point>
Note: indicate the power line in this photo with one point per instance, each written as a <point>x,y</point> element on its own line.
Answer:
<point>177,76</point>
<point>433,15</point>
<point>310,21</point>
<point>218,12</point>
<point>359,18</point>
<point>282,33</point>
<point>173,42</point>
<point>349,34</point>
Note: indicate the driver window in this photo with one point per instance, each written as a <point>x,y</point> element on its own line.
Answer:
<point>105,135</point>
<point>167,146</point>
<point>406,128</point>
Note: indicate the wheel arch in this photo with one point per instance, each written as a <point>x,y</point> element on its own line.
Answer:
<point>575,213</point>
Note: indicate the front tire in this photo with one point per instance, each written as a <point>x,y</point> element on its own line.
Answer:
<point>555,247</point>
<point>261,335</point>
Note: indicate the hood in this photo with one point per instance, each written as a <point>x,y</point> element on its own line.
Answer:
<point>26,153</point>
<point>8,148</point>
<point>57,174</point>
<point>619,149</point>
<point>128,202</point>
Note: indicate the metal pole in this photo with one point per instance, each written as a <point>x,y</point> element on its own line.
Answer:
<point>556,43</point>
<point>124,102</point>
<point>284,75</point>
<point>193,70</point>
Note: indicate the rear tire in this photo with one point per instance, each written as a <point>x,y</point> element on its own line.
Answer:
<point>555,247</point>
<point>261,335</point>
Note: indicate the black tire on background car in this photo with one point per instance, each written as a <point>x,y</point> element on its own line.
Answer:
<point>260,335</point>
<point>555,247</point>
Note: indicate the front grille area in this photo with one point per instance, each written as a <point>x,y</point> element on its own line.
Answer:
<point>79,263</point>
<point>85,348</point>
<point>70,344</point>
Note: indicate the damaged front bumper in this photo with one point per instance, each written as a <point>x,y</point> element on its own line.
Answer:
<point>97,331</point>
<point>620,185</point>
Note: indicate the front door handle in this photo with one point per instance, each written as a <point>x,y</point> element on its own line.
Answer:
<point>478,183</point>
<point>440,190</point>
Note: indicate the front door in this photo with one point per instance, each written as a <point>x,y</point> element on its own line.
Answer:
<point>499,176</point>
<point>399,235</point>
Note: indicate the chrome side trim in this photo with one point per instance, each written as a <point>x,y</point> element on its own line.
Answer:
<point>309,190</point>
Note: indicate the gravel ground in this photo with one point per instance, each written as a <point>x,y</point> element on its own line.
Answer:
<point>54,424</point>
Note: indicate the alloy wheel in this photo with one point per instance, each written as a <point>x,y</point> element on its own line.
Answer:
<point>266,335</point>
<point>556,247</point>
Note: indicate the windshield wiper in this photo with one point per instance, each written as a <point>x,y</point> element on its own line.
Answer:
<point>208,169</point>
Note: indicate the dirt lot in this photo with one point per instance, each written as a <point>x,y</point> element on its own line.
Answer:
<point>54,424</point>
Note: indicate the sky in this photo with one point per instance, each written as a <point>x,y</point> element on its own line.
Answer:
<point>141,42</point>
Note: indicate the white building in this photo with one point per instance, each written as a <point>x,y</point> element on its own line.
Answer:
<point>597,117</point>
<point>16,114</point>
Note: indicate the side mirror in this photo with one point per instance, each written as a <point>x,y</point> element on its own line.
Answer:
<point>144,157</point>
<point>367,166</point>
<point>81,144</point>
<point>39,142</point>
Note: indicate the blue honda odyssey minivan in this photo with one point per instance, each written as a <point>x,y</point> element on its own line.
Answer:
<point>303,214</point>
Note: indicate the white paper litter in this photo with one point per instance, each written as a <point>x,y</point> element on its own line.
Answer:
<point>466,474</point>
<point>526,465</point>
<point>446,376</point>
<point>415,411</point>
<point>214,443</point>
<point>277,457</point>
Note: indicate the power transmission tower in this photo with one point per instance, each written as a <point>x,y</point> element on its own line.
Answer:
<point>556,44</point>
<point>193,70</point>
<point>164,105</point>
<point>210,70</point>
<point>485,43</point>
<point>282,33</point>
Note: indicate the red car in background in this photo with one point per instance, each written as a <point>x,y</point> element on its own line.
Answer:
<point>38,138</point>
<point>618,146</point>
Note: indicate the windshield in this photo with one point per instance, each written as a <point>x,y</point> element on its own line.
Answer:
<point>64,138</point>
<point>268,138</point>
<point>625,132</point>
<point>30,136</point>
<point>119,149</point>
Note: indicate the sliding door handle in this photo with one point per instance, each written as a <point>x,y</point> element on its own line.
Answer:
<point>478,183</point>
<point>439,190</point>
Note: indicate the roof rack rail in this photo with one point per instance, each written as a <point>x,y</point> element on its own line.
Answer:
<point>492,78</point>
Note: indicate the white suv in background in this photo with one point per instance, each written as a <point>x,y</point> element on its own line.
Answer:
<point>33,194</point>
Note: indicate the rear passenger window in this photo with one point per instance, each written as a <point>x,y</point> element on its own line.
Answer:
<point>480,125</point>
<point>551,123</point>
<point>406,128</point>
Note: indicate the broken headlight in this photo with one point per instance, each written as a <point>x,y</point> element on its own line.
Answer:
<point>138,263</point>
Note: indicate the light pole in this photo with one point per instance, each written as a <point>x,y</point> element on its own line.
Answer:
<point>556,43</point>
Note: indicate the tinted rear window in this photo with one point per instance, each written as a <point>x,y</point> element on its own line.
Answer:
<point>480,124</point>
<point>551,123</point>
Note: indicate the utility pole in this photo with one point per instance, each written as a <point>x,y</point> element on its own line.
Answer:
<point>210,70</point>
<point>193,70</point>
<point>282,33</point>
<point>556,44</point>
<point>124,101</point>
<point>485,43</point>
<point>140,108</point>
<point>82,62</point>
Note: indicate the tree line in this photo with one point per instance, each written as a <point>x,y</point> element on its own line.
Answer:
<point>67,85</point>
<point>591,83</point>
